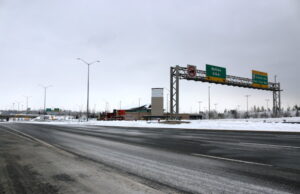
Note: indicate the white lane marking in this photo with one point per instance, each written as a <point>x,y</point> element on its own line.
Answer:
<point>245,143</point>
<point>271,145</point>
<point>229,159</point>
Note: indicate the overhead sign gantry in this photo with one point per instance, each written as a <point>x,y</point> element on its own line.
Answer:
<point>218,75</point>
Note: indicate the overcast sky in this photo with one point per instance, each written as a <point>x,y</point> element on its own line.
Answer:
<point>137,41</point>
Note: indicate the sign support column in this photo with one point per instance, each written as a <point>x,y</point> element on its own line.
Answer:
<point>174,90</point>
<point>277,101</point>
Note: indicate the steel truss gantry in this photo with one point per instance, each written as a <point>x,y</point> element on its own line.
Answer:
<point>177,73</point>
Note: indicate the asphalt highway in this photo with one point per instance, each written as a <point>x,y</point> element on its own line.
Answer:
<point>192,161</point>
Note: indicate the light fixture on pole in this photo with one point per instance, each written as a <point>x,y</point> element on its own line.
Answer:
<point>88,85</point>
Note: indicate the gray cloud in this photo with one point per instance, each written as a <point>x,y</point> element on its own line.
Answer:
<point>137,42</point>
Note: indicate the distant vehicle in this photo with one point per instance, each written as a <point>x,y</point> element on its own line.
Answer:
<point>115,115</point>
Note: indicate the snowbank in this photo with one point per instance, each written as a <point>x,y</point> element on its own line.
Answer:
<point>271,124</point>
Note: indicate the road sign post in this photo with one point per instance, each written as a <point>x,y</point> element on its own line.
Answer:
<point>215,73</point>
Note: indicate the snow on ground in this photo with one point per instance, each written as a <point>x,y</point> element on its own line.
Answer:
<point>269,124</point>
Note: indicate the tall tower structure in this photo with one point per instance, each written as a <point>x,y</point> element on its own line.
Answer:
<point>157,102</point>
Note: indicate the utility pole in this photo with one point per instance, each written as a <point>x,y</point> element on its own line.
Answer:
<point>247,96</point>
<point>88,85</point>
<point>199,106</point>
<point>120,105</point>
<point>208,102</point>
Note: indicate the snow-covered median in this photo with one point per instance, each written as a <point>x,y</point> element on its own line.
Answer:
<point>271,124</point>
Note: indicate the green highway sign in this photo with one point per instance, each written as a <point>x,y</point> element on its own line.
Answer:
<point>56,110</point>
<point>48,109</point>
<point>215,73</point>
<point>259,79</point>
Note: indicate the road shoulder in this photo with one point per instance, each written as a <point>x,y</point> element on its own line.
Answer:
<point>30,167</point>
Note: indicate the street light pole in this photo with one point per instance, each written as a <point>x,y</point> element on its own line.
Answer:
<point>88,93</point>
<point>88,85</point>
<point>45,96</point>
<point>199,106</point>
<point>208,102</point>
<point>216,104</point>
<point>27,97</point>
<point>267,100</point>
<point>139,108</point>
<point>167,103</point>
<point>167,99</point>
<point>106,107</point>
<point>18,106</point>
<point>247,96</point>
